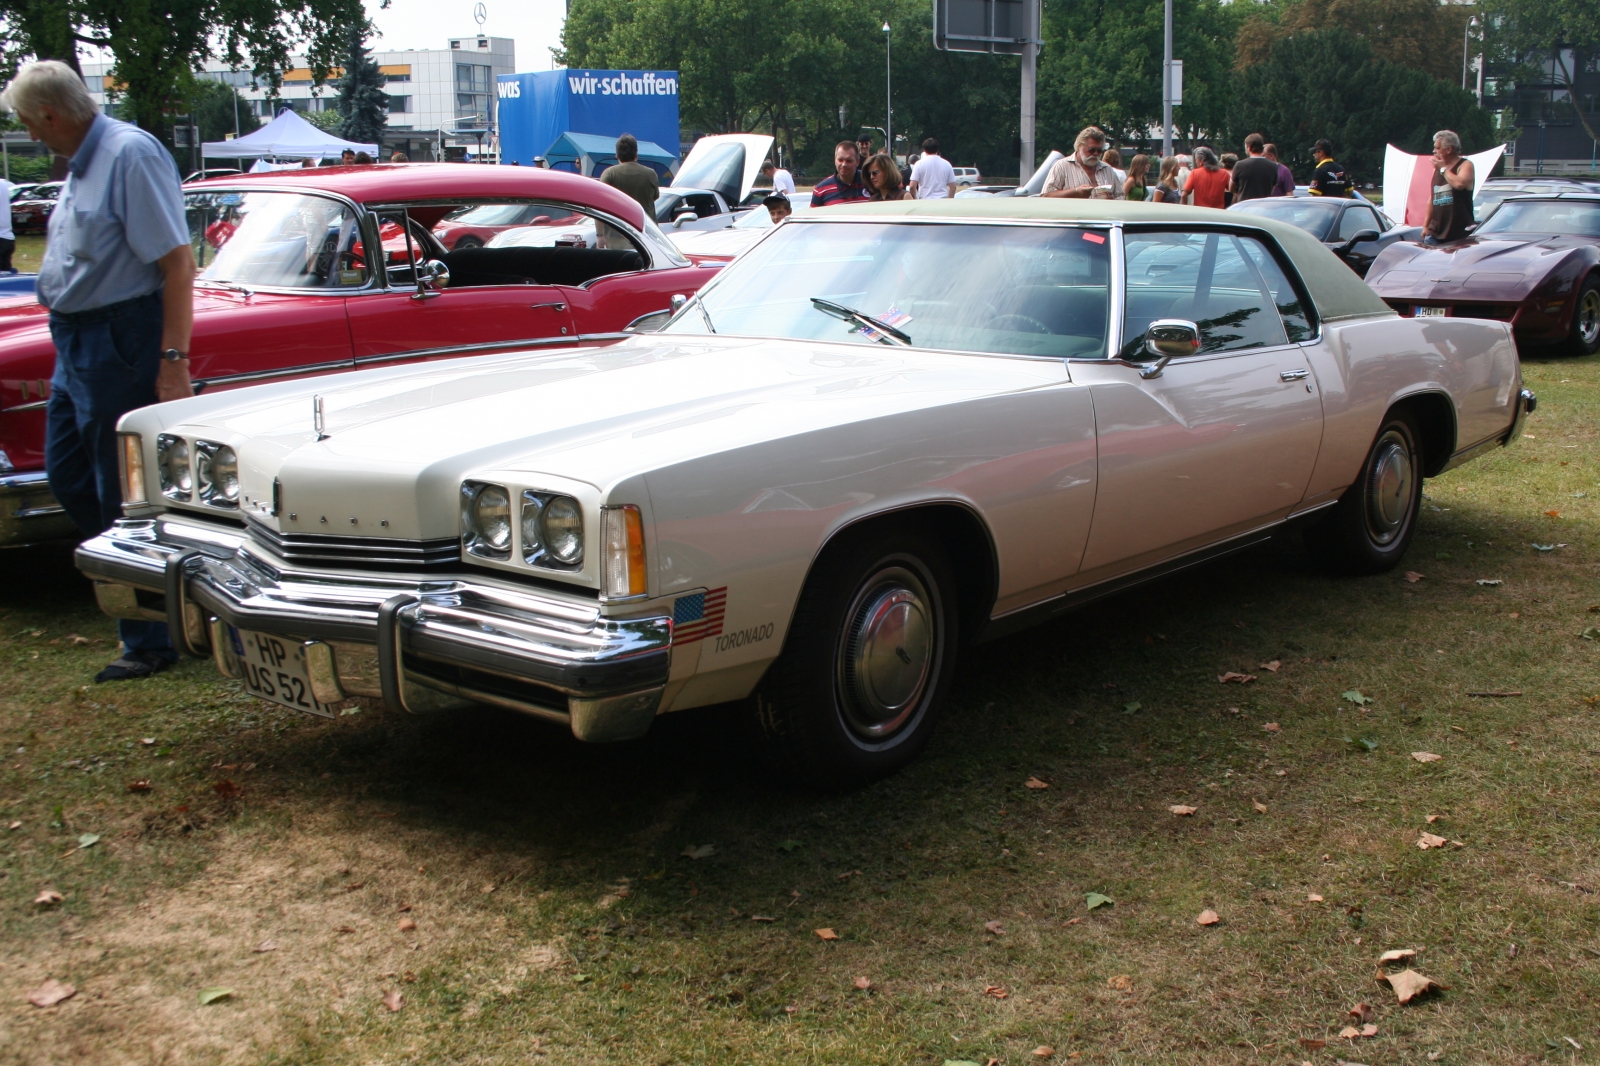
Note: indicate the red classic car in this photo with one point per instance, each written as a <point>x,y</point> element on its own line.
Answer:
<point>30,212</point>
<point>1534,262</point>
<point>286,288</point>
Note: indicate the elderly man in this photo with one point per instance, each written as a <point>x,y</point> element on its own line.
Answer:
<point>1450,207</point>
<point>118,278</point>
<point>1083,174</point>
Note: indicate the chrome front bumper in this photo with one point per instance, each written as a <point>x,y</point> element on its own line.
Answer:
<point>29,513</point>
<point>421,643</point>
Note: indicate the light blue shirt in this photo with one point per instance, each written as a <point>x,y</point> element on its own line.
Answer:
<point>120,210</point>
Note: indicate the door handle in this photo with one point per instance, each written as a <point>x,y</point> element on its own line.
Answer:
<point>1294,375</point>
<point>558,305</point>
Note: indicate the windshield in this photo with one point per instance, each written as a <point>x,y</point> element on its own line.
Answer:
<point>1567,218</point>
<point>761,218</point>
<point>1028,290</point>
<point>494,215</point>
<point>274,240</point>
<point>1314,217</point>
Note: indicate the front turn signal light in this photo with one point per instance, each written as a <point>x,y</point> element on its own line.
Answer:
<point>132,467</point>
<point>622,537</point>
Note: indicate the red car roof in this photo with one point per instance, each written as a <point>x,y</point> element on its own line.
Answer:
<point>392,182</point>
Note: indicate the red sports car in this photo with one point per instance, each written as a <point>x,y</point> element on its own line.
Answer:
<point>1534,262</point>
<point>30,212</point>
<point>286,288</point>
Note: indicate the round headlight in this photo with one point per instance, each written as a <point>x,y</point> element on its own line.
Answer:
<point>225,473</point>
<point>175,465</point>
<point>491,517</point>
<point>561,529</point>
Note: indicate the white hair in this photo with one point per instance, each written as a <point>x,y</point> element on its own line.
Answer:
<point>51,84</point>
<point>1448,138</point>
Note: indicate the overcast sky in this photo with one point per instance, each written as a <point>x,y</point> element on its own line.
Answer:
<point>534,24</point>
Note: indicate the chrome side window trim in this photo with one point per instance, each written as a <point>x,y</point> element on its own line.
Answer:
<point>1119,293</point>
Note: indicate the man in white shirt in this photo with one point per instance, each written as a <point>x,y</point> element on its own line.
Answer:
<point>782,180</point>
<point>8,238</point>
<point>932,178</point>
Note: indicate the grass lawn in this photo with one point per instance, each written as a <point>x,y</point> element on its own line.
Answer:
<point>527,899</point>
<point>29,252</point>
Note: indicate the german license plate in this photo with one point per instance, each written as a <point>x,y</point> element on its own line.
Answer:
<point>1430,312</point>
<point>275,670</point>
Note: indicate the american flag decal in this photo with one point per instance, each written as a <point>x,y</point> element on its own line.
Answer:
<point>698,616</point>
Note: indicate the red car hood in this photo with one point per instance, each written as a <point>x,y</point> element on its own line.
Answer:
<point>1490,269</point>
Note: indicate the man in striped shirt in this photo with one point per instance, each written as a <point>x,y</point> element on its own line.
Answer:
<point>844,185</point>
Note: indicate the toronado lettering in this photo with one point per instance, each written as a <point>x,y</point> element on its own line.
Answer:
<point>755,635</point>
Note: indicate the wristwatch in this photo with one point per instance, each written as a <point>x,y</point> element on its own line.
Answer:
<point>172,355</point>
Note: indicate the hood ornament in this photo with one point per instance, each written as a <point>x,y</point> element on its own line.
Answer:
<point>318,422</point>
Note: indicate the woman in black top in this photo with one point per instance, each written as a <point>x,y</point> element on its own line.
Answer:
<point>1450,206</point>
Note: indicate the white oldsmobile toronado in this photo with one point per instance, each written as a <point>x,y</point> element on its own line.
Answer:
<point>885,431</point>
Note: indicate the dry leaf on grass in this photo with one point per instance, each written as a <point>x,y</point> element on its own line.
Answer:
<point>703,851</point>
<point>1273,727</point>
<point>1122,983</point>
<point>1434,818</point>
<point>1349,1032</point>
<point>1208,917</point>
<point>1044,1051</point>
<point>1261,808</point>
<point>1313,898</point>
<point>48,898</point>
<point>1413,577</point>
<point>1552,514</point>
<point>1235,678</point>
<point>265,946</point>
<point>826,934</point>
<point>1272,667</point>
<point>406,925</point>
<point>1369,1030</point>
<point>863,983</point>
<point>393,1000</point>
<point>761,918</point>
<point>1361,1012</point>
<point>1397,955</point>
<point>1096,899</point>
<point>141,785</point>
<point>1429,840</point>
<point>996,991</point>
<point>50,993</point>
<point>995,927</point>
<point>1311,1043</point>
<point>1409,984</point>
<point>1182,810</point>
<point>209,996</point>
<point>1426,756</point>
<point>1034,782</point>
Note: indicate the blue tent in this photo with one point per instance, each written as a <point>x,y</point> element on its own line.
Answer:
<point>588,154</point>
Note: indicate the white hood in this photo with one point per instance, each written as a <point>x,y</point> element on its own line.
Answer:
<point>726,163</point>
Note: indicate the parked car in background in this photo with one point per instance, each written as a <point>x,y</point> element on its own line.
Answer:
<point>716,181</point>
<point>474,227</point>
<point>967,176</point>
<point>838,464</point>
<point>1033,187</point>
<point>1354,230</point>
<point>1493,190</point>
<point>288,288</point>
<point>30,212</point>
<point>213,172</point>
<point>1534,263</point>
<point>723,245</point>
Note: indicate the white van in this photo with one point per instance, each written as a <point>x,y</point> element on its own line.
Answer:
<point>966,176</point>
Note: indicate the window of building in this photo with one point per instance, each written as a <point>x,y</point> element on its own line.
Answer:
<point>399,105</point>
<point>474,84</point>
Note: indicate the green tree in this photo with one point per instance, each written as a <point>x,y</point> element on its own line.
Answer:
<point>1540,31</point>
<point>363,103</point>
<point>1423,34</point>
<point>215,105</point>
<point>1290,98</point>
<point>326,121</point>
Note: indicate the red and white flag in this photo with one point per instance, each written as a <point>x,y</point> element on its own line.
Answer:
<point>1408,182</point>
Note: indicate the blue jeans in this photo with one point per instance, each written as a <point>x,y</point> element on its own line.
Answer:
<point>106,365</point>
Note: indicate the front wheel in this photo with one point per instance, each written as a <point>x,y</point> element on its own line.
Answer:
<point>867,661</point>
<point>1371,526</point>
<point>1585,338</point>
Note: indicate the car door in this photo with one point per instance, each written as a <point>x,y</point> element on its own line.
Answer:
<point>1216,443</point>
<point>1356,218</point>
<point>477,309</point>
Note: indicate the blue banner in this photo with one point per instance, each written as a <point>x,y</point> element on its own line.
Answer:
<point>536,109</point>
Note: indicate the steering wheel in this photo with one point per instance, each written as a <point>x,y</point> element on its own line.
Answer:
<point>1038,327</point>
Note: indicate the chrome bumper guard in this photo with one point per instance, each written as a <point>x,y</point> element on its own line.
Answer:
<point>421,643</point>
<point>1527,403</point>
<point>29,513</point>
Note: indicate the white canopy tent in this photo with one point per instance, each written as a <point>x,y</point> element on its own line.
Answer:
<point>286,137</point>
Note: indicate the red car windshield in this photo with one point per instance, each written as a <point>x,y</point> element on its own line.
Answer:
<point>1565,218</point>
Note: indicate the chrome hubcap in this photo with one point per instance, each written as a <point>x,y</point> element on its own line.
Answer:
<point>1389,488</point>
<point>886,653</point>
<point>1589,317</point>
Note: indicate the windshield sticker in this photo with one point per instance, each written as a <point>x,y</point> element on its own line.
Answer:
<point>1094,237</point>
<point>892,317</point>
<point>231,199</point>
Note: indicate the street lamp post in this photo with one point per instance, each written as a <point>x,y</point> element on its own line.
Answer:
<point>1166,85</point>
<point>1466,42</point>
<point>888,94</point>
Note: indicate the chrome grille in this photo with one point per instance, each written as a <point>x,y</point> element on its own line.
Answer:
<point>360,553</point>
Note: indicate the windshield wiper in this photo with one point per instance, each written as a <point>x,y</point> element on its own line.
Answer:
<point>224,285</point>
<point>704,315</point>
<point>850,314</point>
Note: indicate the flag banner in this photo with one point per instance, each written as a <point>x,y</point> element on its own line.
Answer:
<point>1408,182</point>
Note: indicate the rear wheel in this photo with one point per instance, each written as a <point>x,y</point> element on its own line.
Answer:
<point>1371,526</point>
<point>867,661</point>
<point>1585,336</point>
<point>467,243</point>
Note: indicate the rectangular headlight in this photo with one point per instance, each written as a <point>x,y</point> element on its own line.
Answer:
<point>485,520</point>
<point>172,462</point>
<point>132,466</point>
<point>622,537</point>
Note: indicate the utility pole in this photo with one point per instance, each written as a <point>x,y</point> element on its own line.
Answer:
<point>1030,75</point>
<point>1166,85</point>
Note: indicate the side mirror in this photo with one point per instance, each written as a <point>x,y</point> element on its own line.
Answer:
<point>432,277</point>
<point>1360,238</point>
<point>677,302</point>
<point>1166,338</point>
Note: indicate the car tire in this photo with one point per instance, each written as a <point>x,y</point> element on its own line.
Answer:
<point>1585,336</point>
<point>1370,528</point>
<point>467,244</point>
<point>867,661</point>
